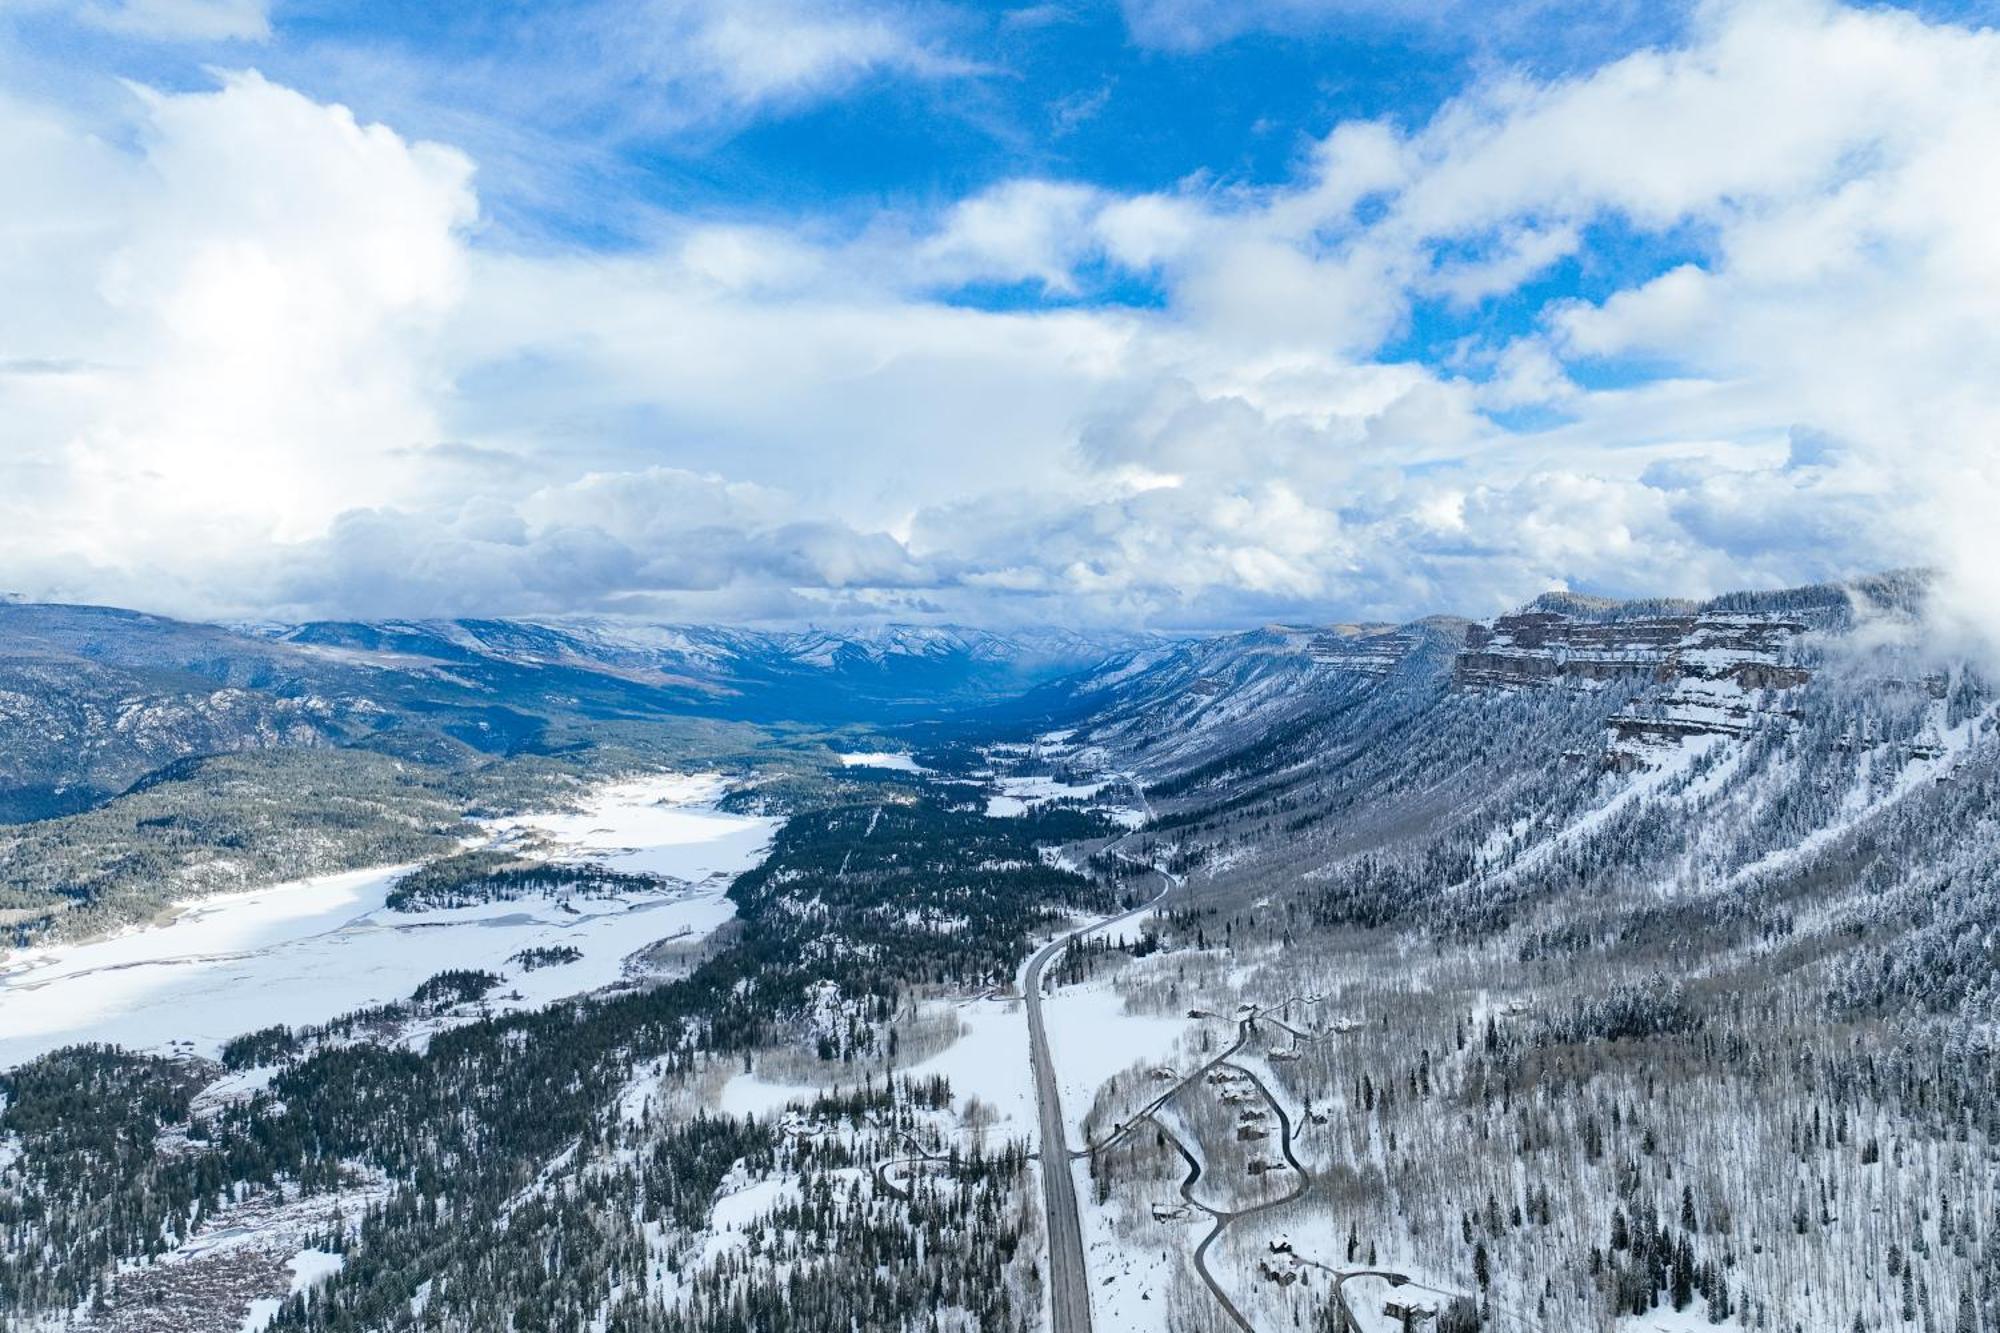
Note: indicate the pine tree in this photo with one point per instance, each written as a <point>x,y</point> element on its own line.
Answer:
<point>1681,1283</point>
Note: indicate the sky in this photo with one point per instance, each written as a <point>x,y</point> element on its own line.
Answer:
<point>1175,313</point>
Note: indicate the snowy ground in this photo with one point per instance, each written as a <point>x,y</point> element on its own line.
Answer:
<point>750,1094</point>
<point>902,763</point>
<point>1115,794</point>
<point>309,950</point>
<point>235,1272</point>
<point>990,1061</point>
<point>1129,1280</point>
<point>309,1268</point>
<point>1091,1037</point>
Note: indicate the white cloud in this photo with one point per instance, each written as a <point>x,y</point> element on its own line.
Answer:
<point>1571,28</point>
<point>1020,230</point>
<point>752,53</point>
<point>244,334</point>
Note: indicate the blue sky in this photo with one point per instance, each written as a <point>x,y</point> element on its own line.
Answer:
<point>1173,311</point>
<point>1134,97</point>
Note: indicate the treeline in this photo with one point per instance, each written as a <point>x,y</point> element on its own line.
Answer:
<point>487,875</point>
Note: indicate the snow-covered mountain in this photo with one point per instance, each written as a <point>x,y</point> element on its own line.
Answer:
<point>1479,768</point>
<point>91,698</point>
<point>1671,668</point>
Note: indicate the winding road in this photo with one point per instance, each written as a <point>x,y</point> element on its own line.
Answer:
<point>1225,1217</point>
<point>1069,1278</point>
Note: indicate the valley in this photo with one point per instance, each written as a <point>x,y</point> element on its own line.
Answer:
<point>1604,966</point>
<point>1067,666</point>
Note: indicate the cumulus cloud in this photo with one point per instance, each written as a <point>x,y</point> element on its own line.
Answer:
<point>1026,230</point>
<point>243,334</point>
<point>302,379</point>
<point>599,543</point>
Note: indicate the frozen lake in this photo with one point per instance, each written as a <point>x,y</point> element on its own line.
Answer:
<point>309,950</point>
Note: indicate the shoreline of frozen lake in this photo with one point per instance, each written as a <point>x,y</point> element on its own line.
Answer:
<point>312,949</point>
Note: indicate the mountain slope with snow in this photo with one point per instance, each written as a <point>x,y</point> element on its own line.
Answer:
<point>95,698</point>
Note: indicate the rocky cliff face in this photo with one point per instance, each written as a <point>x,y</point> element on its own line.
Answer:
<point>1651,673</point>
<point>1692,672</point>
<point>1752,651</point>
<point>1368,650</point>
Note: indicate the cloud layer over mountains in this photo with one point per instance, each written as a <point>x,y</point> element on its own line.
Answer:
<point>1713,314</point>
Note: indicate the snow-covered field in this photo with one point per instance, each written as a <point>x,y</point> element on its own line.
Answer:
<point>1115,794</point>
<point>750,1094</point>
<point>1091,1037</point>
<point>1016,794</point>
<point>309,950</point>
<point>990,1061</point>
<point>309,1269</point>
<point>894,759</point>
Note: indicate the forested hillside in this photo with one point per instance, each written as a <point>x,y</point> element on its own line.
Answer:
<point>505,1141</point>
<point>1661,939</point>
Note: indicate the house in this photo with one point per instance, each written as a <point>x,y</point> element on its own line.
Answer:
<point>1281,1270</point>
<point>1410,1314</point>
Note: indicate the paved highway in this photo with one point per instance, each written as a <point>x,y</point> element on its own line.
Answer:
<point>1069,1279</point>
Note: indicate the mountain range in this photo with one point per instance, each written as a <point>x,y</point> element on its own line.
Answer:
<point>93,699</point>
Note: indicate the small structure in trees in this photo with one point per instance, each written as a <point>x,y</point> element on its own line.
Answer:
<point>1409,1314</point>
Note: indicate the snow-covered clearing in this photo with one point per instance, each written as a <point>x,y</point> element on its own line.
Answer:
<point>1130,1276</point>
<point>660,824</point>
<point>1017,794</point>
<point>990,1061</point>
<point>1091,1037</point>
<point>748,1094</point>
<point>309,1269</point>
<point>736,1208</point>
<point>309,950</point>
<point>895,759</point>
